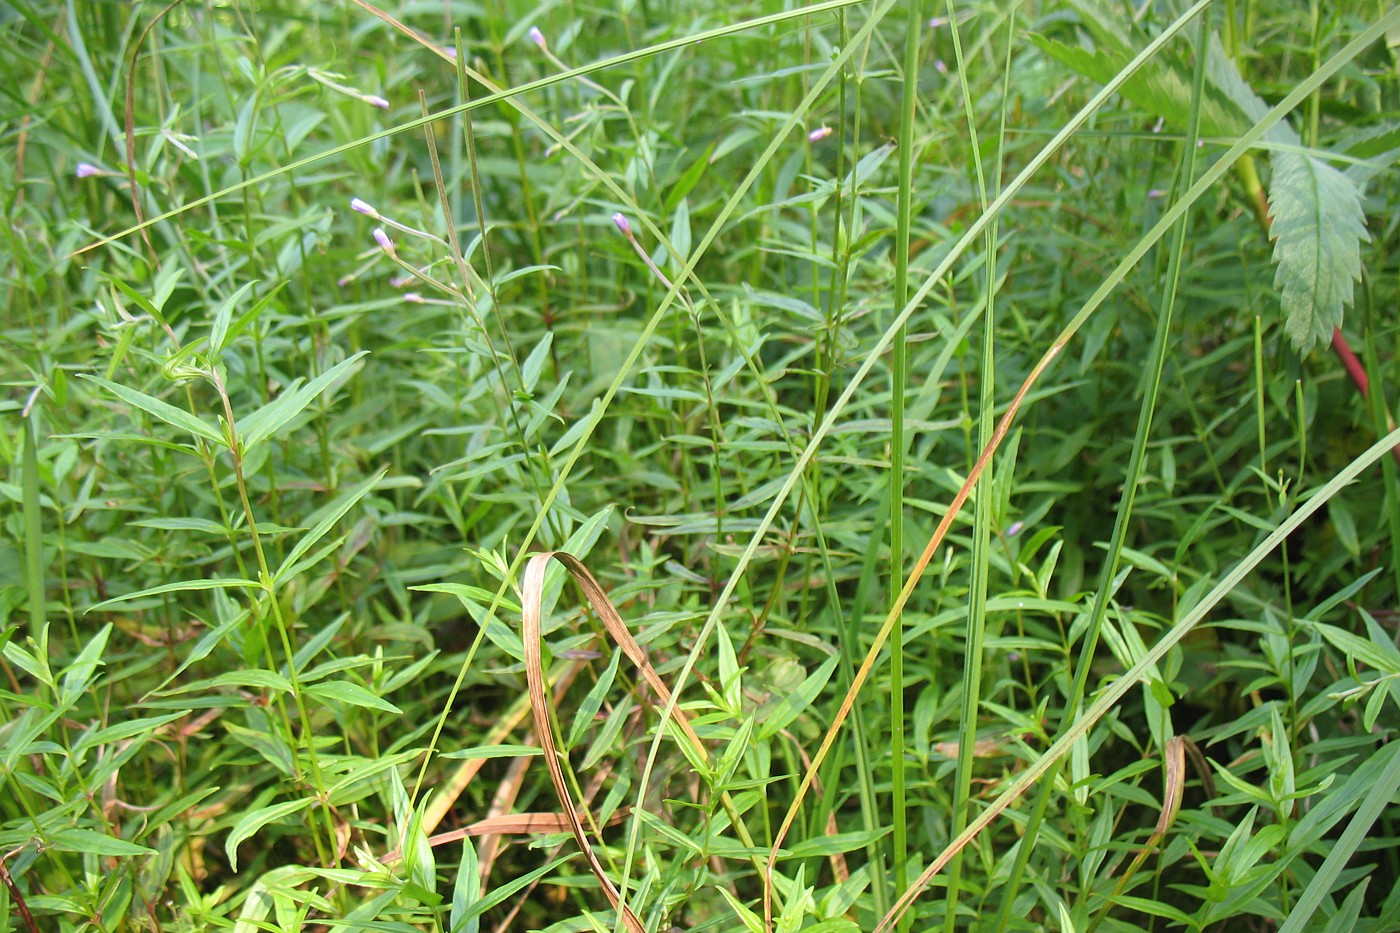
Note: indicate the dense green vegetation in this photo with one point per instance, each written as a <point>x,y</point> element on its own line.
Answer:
<point>993,532</point>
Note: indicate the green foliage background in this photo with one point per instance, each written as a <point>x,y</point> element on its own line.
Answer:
<point>269,480</point>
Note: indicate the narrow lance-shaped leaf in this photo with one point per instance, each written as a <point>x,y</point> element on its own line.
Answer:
<point>272,417</point>
<point>161,410</point>
<point>256,820</point>
<point>327,522</point>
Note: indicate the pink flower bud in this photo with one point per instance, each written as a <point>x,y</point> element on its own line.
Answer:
<point>537,37</point>
<point>413,298</point>
<point>939,66</point>
<point>622,224</point>
<point>819,134</point>
<point>362,207</point>
<point>87,170</point>
<point>377,101</point>
<point>383,240</point>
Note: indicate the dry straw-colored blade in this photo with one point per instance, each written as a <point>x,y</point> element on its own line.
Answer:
<point>532,634</point>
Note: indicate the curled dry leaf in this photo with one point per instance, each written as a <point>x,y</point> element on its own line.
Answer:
<point>532,590</point>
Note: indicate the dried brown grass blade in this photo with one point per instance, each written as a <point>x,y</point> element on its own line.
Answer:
<point>1173,785</point>
<point>532,590</point>
<point>502,805</point>
<point>447,795</point>
<point>508,824</point>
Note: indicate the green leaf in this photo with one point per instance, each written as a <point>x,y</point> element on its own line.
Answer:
<point>175,588</point>
<point>495,751</point>
<point>162,411</point>
<point>1319,225</point>
<point>534,363</point>
<point>256,820</point>
<point>223,316</point>
<point>466,890</point>
<point>497,895</point>
<point>593,702</point>
<point>793,704</point>
<point>1316,221</point>
<point>1340,852</point>
<point>224,328</point>
<point>125,730</point>
<point>90,842</point>
<point>261,680</point>
<point>1358,649</point>
<point>836,843</point>
<point>257,427</point>
<point>334,513</point>
<point>78,675</point>
<point>346,691</point>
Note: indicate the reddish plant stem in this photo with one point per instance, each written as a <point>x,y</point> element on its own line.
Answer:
<point>1350,363</point>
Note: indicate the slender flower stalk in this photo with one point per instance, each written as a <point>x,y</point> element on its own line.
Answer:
<point>360,206</point>
<point>326,79</point>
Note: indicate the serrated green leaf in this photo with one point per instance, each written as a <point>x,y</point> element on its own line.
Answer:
<point>1161,87</point>
<point>1318,226</point>
<point>1316,221</point>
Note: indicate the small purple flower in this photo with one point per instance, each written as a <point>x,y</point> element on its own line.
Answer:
<point>622,224</point>
<point>537,37</point>
<point>1014,530</point>
<point>939,66</point>
<point>363,207</point>
<point>88,170</point>
<point>377,101</point>
<point>1155,193</point>
<point>818,134</point>
<point>383,240</point>
<point>938,22</point>
<point>413,298</point>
